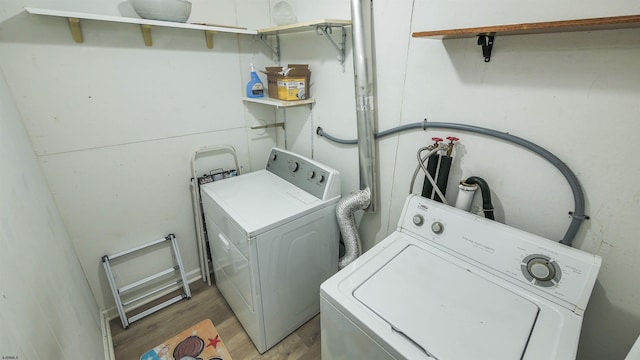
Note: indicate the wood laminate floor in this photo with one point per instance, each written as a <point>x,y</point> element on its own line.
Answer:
<point>207,303</point>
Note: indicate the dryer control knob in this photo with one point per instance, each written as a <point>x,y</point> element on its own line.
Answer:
<point>418,220</point>
<point>311,175</point>
<point>437,227</point>
<point>274,156</point>
<point>321,179</point>
<point>293,166</point>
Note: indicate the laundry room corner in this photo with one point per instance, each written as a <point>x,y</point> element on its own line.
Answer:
<point>39,268</point>
<point>533,105</point>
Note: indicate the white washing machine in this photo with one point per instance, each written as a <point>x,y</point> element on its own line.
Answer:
<point>274,239</point>
<point>450,285</point>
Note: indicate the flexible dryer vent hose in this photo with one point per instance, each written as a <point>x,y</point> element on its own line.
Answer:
<point>346,222</point>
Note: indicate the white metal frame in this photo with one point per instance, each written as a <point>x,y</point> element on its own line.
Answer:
<point>118,291</point>
<point>197,201</point>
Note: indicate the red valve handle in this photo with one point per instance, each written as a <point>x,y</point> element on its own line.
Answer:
<point>437,139</point>
<point>452,138</point>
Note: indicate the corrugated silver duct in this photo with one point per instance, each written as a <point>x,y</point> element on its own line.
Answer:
<point>366,197</point>
<point>347,223</point>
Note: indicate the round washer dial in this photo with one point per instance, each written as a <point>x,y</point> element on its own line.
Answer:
<point>541,270</point>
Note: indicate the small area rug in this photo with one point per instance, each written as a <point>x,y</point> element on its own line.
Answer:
<point>199,342</point>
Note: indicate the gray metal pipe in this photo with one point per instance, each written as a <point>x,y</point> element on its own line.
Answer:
<point>365,114</point>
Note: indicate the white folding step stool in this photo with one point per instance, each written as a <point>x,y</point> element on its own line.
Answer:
<point>118,291</point>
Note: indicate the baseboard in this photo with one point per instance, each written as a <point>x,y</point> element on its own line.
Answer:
<point>107,341</point>
<point>112,313</point>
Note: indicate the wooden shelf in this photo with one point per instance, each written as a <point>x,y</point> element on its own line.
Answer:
<point>321,27</point>
<point>145,24</point>
<point>279,103</point>
<point>605,23</point>
<point>305,26</point>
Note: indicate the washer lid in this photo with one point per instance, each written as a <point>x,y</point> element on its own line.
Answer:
<point>447,310</point>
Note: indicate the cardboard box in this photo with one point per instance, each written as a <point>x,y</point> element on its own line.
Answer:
<point>294,86</point>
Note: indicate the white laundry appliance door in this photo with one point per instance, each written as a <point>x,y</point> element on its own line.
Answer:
<point>293,260</point>
<point>446,310</point>
<point>235,275</point>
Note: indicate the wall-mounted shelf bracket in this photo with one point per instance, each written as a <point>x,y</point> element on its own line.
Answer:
<point>327,30</point>
<point>76,30</point>
<point>280,124</point>
<point>146,34</point>
<point>274,49</point>
<point>208,35</point>
<point>486,42</point>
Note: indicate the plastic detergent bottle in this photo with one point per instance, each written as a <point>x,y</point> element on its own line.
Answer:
<point>255,89</point>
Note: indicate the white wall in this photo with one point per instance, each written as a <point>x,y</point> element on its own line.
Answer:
<point>114,123</point>
<point>575,94</point>
<point>47,310</point>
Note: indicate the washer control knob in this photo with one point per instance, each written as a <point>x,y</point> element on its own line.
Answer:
<point>437,227</point>
<point>274,156</point>
<point>418,220</point>
<point>293,166</point>
<point>321,179</point>
<point>541,269</point>
<point>311,175</point>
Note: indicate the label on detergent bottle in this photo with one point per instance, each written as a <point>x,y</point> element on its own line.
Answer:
<point>257,89</point>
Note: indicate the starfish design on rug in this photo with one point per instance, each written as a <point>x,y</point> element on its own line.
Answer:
<point>214,342</point>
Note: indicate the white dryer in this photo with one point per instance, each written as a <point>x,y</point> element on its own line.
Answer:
<point>274,239</point>
<point>451,285</point>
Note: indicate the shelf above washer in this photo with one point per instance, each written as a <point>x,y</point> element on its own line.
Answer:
<point>604,23</point>
<point>146,25</point>
<point>486,34</point>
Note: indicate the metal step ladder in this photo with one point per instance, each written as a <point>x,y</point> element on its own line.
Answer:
<point>119,291</point>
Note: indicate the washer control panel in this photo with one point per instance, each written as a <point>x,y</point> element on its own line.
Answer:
<point>315,178</point>
<point>538,264</point>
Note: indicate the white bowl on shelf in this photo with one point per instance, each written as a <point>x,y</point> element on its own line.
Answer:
<point>282,13</point>
<point>164,10</point>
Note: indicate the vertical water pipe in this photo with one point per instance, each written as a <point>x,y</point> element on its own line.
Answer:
<point>367,197</point>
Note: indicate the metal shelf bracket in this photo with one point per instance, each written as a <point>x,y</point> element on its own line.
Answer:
<point>275,50</point>
<point>340,47</point>
<point>486,41</point>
